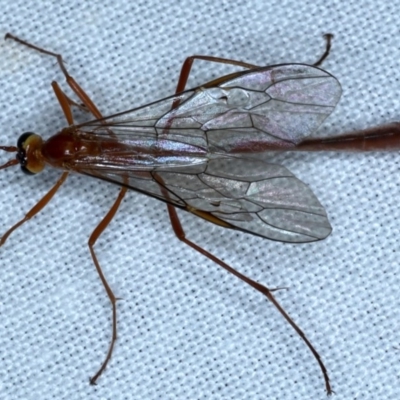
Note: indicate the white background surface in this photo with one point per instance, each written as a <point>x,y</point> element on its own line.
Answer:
<point>187,330</point>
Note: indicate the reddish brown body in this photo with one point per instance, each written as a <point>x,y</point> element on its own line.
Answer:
<point>71,147</point>
<point>383,138</point>
<point>65,146</point>
<point>191,151</point>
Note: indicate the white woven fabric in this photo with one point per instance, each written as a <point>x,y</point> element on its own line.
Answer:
<point>188,330</point>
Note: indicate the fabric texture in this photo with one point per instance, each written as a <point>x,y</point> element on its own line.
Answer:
<point>186,328</point>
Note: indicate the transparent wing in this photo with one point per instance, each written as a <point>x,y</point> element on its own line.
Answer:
<point>199,150</point>
<point>275,106</point>
<point>249,194</point>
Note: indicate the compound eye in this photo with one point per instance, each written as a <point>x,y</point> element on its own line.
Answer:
<point>26,170</point>
<point>22,139</point>
<point>29,146</point>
